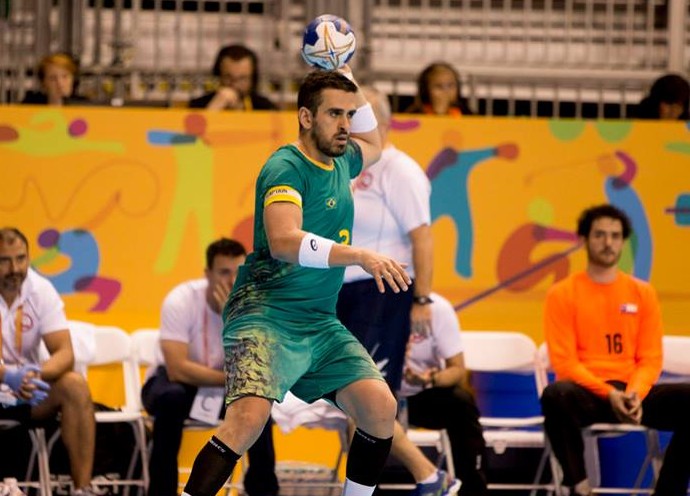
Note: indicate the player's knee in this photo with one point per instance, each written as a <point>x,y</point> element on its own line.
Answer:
<point>380,406</point>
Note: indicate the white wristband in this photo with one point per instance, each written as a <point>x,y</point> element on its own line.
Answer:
<point>314,251</point>
<point>364,120</point>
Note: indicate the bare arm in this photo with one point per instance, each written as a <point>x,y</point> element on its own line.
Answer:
<point>181,369</point>
<point>369,142</point>
<point>423,261</point>
<point>283,224</point>
<point>59,345</point>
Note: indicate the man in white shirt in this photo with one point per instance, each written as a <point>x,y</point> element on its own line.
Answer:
<point>392,216</point>
<point>438,397</point>
<point>193,356</point>
<point>30,311</point>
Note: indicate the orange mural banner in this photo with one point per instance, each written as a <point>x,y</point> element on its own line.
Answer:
<point>119,204</point>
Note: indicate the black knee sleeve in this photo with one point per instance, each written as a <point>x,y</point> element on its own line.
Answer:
<point>212,467</point>
<point>367,457</point>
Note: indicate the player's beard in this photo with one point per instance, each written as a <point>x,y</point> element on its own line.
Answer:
<point>328,147</point>
<point>602,259</point>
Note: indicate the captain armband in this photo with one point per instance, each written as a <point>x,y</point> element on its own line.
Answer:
<point>314,251</point>
<point>364,120</point>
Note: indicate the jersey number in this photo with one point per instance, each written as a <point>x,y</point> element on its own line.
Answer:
<point>615,343</point>
<point>344,236</point>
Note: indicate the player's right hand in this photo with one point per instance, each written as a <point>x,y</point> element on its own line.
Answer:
<point>384,268</point>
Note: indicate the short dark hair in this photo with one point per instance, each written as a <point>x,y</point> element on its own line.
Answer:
<point>8,235</point>
<point>587,218</point>
<point>238,52</point>
<point>223,246</point>
<point>310,92</point>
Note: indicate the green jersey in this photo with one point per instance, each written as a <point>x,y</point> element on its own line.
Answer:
<point>287,291</point>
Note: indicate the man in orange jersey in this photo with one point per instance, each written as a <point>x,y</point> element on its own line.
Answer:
<point>603,329</point>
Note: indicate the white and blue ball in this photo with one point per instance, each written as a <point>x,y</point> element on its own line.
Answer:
<point>328,42</point>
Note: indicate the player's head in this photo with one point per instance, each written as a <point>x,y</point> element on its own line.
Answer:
<point>382,109</point>
<point>223,259</point>
<point>237,66</point>
<point>14,259</point>
<point>588,216</point>
<point>223,247</point>
<point>603,229</point>
<point>326,102</point>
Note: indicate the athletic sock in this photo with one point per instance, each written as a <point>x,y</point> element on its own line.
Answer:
<point>212,467</point>
<point>366,459</point>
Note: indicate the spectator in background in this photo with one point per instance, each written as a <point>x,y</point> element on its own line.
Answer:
<point>604,334</point>
<point>668,99</point>
<point>31,311</point>
<point>58,75</point>
<point>237,68</point>
<point>438,397</point>
<point>192,345</point>
<point>392,215</point>
<point>439,92</point>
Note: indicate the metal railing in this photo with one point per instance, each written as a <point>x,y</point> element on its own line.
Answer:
<point>516,56</point>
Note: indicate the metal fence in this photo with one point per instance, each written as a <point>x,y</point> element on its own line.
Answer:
<point>518,57</point>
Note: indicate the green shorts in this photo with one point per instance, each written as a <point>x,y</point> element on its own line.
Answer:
<point>266,359</point>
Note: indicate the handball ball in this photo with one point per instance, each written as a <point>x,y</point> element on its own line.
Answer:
<point>328,42</point>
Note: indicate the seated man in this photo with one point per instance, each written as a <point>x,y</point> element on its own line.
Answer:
<point>31,310</point>
<point>191,341</point>
<point>603,329</point>
<point>237,68</point>
<point>435,384</point>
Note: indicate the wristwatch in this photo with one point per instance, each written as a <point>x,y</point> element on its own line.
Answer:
<point>422,300</point>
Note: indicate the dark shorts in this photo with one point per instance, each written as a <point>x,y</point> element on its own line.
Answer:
<point>20,413</point>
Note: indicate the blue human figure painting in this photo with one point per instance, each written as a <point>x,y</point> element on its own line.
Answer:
<point>620,193</point>
<point>449,173</point>
<point>81,248</point>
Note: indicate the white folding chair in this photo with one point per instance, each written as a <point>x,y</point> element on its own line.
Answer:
<point>594,432</point>
<point>512,352</point>
<point>39,451</point>
<point>436,439</point>
<point>676,357</point>
<point>146,353</point>
<point>292,413</point>
<point>114,346</point>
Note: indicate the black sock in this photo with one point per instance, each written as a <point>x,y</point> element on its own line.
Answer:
<point>367,457</point>
<point>212,467</point>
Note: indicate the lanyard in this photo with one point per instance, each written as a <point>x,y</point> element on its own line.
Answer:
<point>18,333</point>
